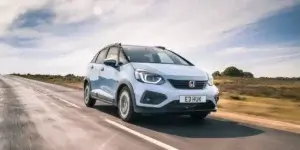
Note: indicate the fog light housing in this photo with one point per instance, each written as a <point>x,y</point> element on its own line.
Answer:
<point>150,97</point>
<point>217,98</point>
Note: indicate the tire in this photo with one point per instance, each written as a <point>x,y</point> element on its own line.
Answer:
<point>125,105</point>
<point>199,115</point>
<point>88,100</point>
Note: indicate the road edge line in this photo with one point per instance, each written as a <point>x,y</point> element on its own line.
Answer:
<point>70,103</point>
<point>140,135</point>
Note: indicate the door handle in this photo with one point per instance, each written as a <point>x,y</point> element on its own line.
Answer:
<point>102,69</point>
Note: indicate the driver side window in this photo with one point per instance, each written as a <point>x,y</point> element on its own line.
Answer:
<point>122,58</point>
<point>112,53</point>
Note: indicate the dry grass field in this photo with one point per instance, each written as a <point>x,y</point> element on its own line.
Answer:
<point>270,98</point>
<point>277,99</point>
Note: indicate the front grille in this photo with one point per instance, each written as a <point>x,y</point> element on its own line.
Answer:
<point>184,84</point>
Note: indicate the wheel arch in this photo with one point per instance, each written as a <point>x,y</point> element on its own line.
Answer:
<point>122,84</point>
<point>85,82</point>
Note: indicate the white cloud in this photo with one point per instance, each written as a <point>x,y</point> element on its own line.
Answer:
<point>73,11</point>
<point>230,51</point>
<point>7,51</point>
<point>279,69</point>
<point>273,61</point>
<point>176,24</point>
<point>11,9</point>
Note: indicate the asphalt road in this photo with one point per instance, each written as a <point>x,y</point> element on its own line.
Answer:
<point>36,115</point>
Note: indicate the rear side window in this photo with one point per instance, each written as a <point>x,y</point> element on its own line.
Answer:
<point>112,53</point>
<point>101,56</point>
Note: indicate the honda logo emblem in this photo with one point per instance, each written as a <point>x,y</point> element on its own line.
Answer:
<point>192,84</point>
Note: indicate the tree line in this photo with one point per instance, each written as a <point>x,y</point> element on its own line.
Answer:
<point>233,72</point>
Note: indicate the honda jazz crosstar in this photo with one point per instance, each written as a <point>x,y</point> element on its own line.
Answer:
<point>148,80</point>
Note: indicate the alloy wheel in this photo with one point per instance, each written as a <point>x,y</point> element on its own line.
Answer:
<point>124,104</point>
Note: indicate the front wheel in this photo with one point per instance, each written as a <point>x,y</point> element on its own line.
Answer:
<point>199,115</point>
<point>125,106</point>
<point>88,100</point>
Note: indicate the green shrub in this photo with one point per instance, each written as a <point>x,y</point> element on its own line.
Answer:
<point>216,74</point>
<point>232,72</point>
<point>235,72</point>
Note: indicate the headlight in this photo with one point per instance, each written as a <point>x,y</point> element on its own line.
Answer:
<point>146,77</point>
<point>210,81</point>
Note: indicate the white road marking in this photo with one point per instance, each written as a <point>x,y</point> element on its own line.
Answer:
<point>56,105</point>
<point>145,137</point>
<point>103,145</point>
<point>72,104</point>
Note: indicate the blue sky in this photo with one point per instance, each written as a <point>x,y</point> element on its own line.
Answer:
<point>61,36</point>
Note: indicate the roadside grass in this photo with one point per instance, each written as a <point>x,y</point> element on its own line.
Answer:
<point>276,109</point>
<point>237,97</point>
<point>275,99</point>
<point>273,88</point>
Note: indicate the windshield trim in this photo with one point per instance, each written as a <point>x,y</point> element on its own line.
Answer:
<point>188,62</point>
<point>161,63</point>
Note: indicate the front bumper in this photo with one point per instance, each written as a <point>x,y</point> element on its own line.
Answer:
<point>170,102</point>
<point>175,107</point>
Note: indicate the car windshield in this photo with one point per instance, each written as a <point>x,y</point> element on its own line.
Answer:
<point>154,55</point>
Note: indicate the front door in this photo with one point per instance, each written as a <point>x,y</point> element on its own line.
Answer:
<point>109,75</point>
<point>96,77</point>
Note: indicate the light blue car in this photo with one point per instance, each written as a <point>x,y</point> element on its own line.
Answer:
<point>148,80</point>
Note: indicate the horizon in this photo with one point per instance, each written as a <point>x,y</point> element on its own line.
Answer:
<point>61,37</point>
<point>14,73</point>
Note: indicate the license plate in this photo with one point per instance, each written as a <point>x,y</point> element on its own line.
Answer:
<point>192,99</point>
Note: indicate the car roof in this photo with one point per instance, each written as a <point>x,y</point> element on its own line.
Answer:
<point>128,47</point>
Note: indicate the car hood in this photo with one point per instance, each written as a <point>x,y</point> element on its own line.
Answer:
<point>173,71</point>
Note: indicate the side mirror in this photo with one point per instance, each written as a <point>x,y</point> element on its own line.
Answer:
<point>110,62</point>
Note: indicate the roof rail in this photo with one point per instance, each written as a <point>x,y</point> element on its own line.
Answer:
<point>116,44</point>
<point>161,47</point>
<point>113,44</point>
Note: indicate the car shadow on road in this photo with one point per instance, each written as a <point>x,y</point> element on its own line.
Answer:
<point>184,126</point>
